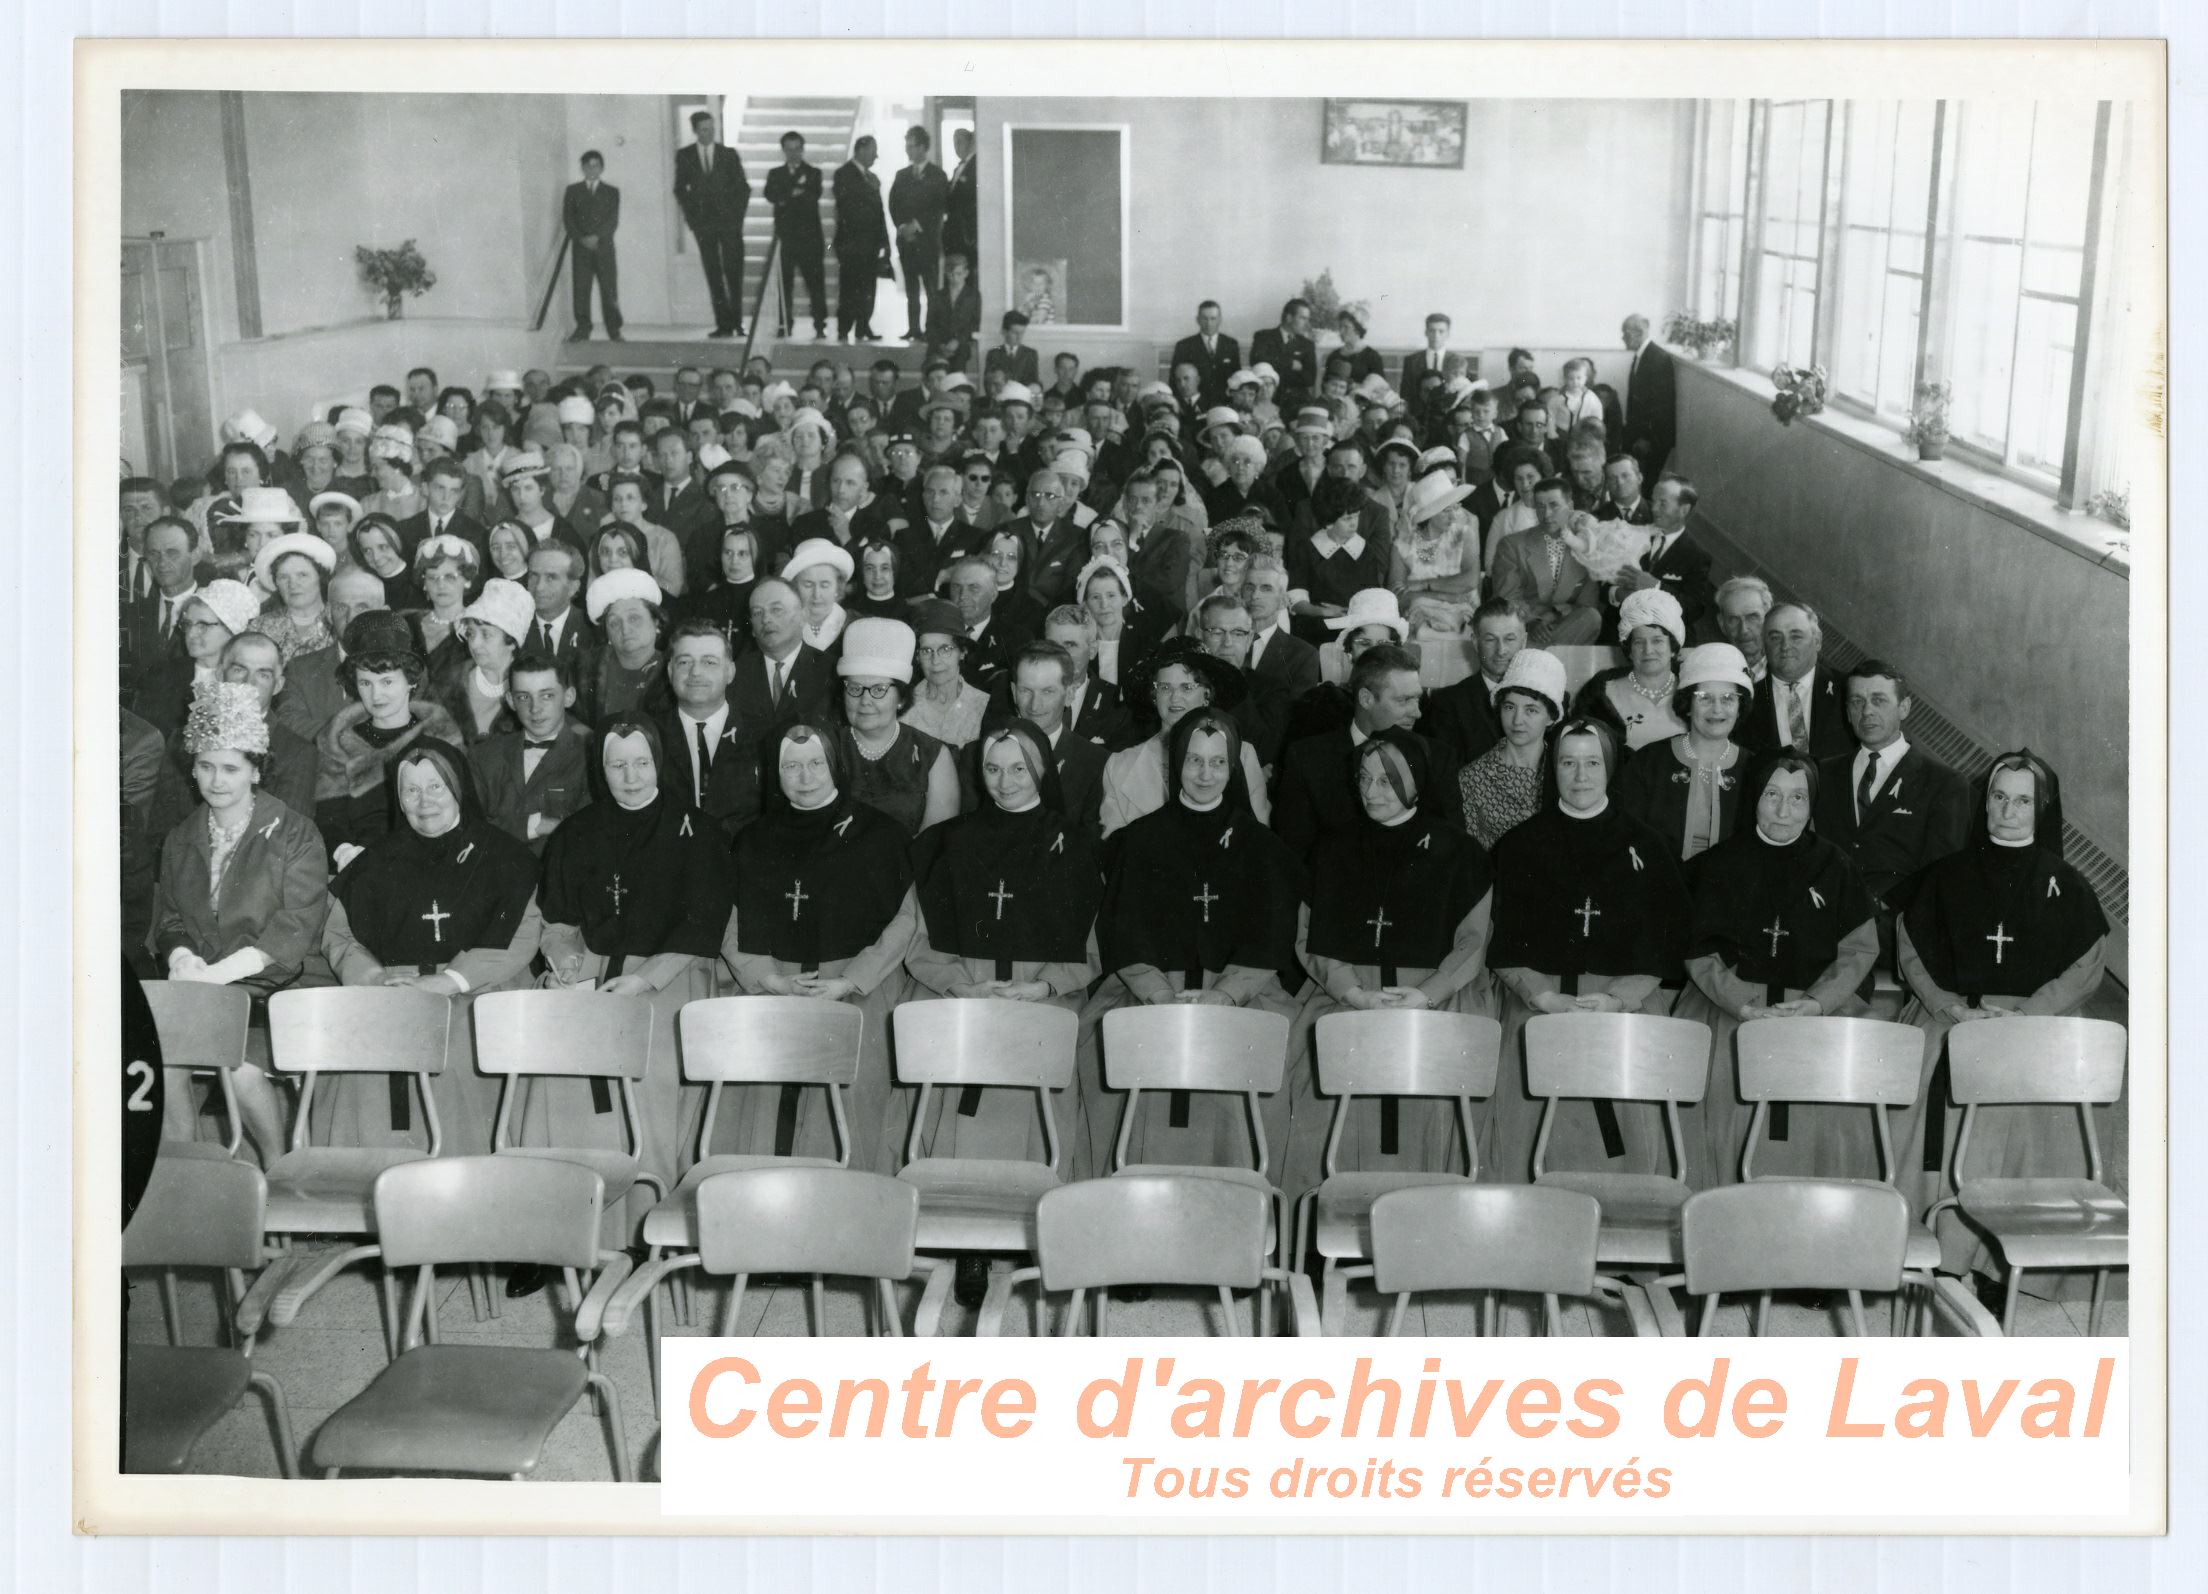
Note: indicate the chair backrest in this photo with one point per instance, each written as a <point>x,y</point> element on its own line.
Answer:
<point>1152,1228</point>
<point>1795,1234</point>
<point>571,1034</point>
<point>358,1029</point>
<point>198,1212</point>
<point>1863,1062</point>
<point>808,1220</point>
<point>200,1025</point>
<point>1624,1056</point>
<point>1407,1052</point>
<point>770,1040</point>
<point>2005,1060</point>
<point>985,1041</point>
<point>489,1209</point>
<point>1465,1236</point>
<point>1195,1046</point>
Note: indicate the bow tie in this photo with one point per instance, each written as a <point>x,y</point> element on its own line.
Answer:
<point>528,746</point>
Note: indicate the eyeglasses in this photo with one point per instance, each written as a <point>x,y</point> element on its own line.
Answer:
<point>855,690</point>
<point>1046,497</point>
<point>1213,633</point>
<point>1712,699</point>
<point>980,476</point>
<point>938,650</point>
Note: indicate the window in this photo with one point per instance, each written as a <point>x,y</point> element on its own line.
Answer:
<point>1721,214</point>
<point>1886,193</point>
<point>1791,230</point>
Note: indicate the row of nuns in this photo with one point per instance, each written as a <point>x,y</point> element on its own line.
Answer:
<point>1578,907</point>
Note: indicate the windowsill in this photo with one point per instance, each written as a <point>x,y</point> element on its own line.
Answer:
<point>2089,537</point>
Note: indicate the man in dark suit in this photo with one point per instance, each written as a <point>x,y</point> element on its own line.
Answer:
<point>994,629</point>
<point>961,214</point>
<point>918,198</point>
<point>1057,544</point>
<point>862,243</point>
<point>714,193</point>
<point>1419,362</point>
<point>533,778</point>
<point>1622,498</point>
<point>1036,691</point>
<point>1651,399</point>
<point>793,189</point>
<point>1288,349</point>
<point>780,680</point>
<point>444,485</point>
<point>931,539</point>
<point>1214,354</point>
<point>1889,806</point>
<point>1224,631</point>
<point>151,625</point>
<point>1274,650</point>
<point>1798,702</point>
<point>1671,562</point>
<point>1316,793</point>
<point>1093,705</point>
<point>591,211</point>
<point>558,629</point>
<point>712,749</point>
<point>1463,717</point>
<point>1012,356</point>
<point>677,499</point>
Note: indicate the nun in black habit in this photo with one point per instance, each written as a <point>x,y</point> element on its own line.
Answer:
<point>824,908</point>
<point>1399,916</point>
<point>636,898</point>
<point>444,901</point>
<point>1782,927</point>
<point>1590,916</point>
<point>1200,905</point>
<point>1008,899</point>
<point>2004,927</point>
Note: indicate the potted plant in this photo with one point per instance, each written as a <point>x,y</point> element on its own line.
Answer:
<point>1928,419</point>
<point>394,273</point>
<point>1801,392</point>
<point>1698,337</point>
<point>1327,305</point>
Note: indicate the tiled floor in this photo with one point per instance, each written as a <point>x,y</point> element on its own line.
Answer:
<point>336,1349</point>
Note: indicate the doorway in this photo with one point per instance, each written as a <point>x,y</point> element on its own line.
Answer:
<point>168,420</point>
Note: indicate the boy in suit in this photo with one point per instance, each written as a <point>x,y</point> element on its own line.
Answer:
<point>533,778</point>
<point>591,211</point>
<point>714,193</point>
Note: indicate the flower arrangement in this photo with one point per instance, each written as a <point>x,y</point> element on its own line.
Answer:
<point>394,273</point>
<point>1801,392</point>
<point>2112,505</point>
<point>1698,337</point>
<point>1327,303</point>
<point>1927,426</point>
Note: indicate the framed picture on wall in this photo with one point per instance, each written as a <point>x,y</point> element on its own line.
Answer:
<point>1394,133</point>
<point>1066,230</point>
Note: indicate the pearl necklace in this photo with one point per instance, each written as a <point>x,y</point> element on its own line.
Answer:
<point>1659,694</point>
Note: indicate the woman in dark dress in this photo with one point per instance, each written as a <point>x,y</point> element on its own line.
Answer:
<point>384,673</point>
<point>824,908</point>
<point>1782,928</point>
<point>1688,787</point>
<point>1590,916</point>
<point>894,767</point>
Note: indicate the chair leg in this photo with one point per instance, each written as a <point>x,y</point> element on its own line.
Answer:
<point>1333,1297</point>
<point>287,1449</point>
<point>819,1293</point>
<point>1490,1314</point>
<point>1396,1314</point>
<point>927,1317</point>
<point>2009,1303</point>
<point>1763,1314</point>
<point>390,1312</point>
<point>2100,1299</point>
<point>169,1307</point>
<point>1552,1316</point>
<point>618,1438</point>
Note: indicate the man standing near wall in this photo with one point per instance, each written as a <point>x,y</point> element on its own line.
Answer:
<point>714,193</point>
<point>1651,399</point>
<point>862,243</point>
<point>591,211</point>
<point>793,189</point>
<point>918,200</point>
<point>962,216</point>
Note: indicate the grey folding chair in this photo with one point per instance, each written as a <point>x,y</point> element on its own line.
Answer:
<point>570,1035</point>
<point>1494,1238</point>
<point>202,1029</point>
<point>1793,1234</point>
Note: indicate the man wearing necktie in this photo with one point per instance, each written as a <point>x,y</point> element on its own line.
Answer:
<point>1671,561</point>
<point>714,193</point>
<point>534,777</point>
<point>1215,355</point>
<point>150,629</point>
<point>591,212</point>
<point>1797,703</point>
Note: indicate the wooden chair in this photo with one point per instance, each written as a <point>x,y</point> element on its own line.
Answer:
<point>329,1189</point>
<point>1170,1229</point>
<point>202,1030</point>
<point>1794,1234</point>
<point>1390,1053</point>
<point>2040,1222</point>
<point>817,1220</point>
<point>1623,1057</point>
<point>1488,1237</point>
<point>198,1212</point>
<point>476,1408</point>
<point>978,1204</point>
<point>570,1035</point>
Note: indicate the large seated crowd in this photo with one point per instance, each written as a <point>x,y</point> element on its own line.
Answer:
<point>1109,691</point>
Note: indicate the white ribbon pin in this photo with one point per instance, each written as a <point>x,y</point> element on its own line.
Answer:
<point>1635,854</point>
<point>463,854</point>
<point>1814,897</point>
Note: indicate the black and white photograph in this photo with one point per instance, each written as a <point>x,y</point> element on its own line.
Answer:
<point>764,712</point>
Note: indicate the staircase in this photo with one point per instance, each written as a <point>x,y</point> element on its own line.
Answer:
<point>828,126</point>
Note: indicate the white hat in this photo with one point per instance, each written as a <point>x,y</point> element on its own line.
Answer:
<point>1652,606</point>
<point>1437,455</point>
<point>1221,415</point>
<point>528,462</point>
<point>357,421</point>
<point>1539,672</point>
<point>1102,562</point>
<point>811,419</point>
<point>712,457</point>
<point>264,506</point>
<point>233,603</point>
<point>505,604</point>
<point>957,380</point>
<point>1017,393</point>
<point>1374,389</point>
<point>502,382</point>
<point>1154,390</point>
<point>1245,378</point>
<point>777,390</point>
<point>433,549</point>
<point>615,585</point>
<point>1314,418</point>
<point>344,501</point>
<point>817,551</point>
<point>877,647</point>
<point>1430,495</point>
<point>391,442</point>
<point>442,430</point>
<point>1718,662</point>
<point>744,407</point>
<point>1074,437</point>
<point>1264,372</point>
<point>247,427</point>
<point>1371,606</point>
<point>1071,462</point>
<point>575,410</point>
<point>1240,446</point>
<point>305,543</point>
